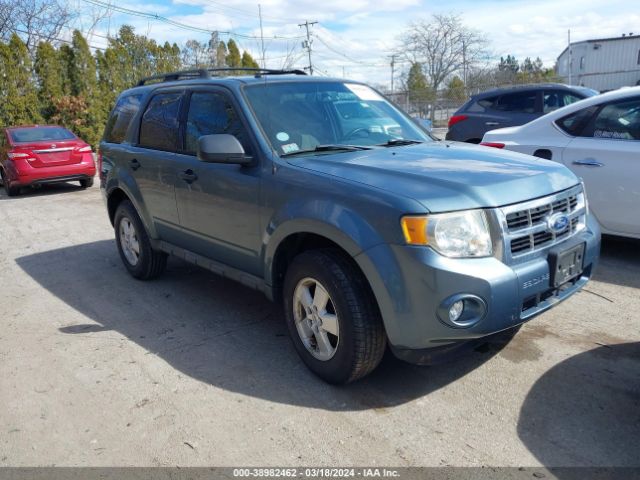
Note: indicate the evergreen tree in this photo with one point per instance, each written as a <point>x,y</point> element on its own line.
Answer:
<point>18,94</point>
<point>455,90</point>
<point>81,68</point>
<point>420,94</point>
<point>527,66</point>
<point>248,61</point>
<point>82,109</point>
<point>51,73</point>
<point>233,58</point>
<point>167,58</point>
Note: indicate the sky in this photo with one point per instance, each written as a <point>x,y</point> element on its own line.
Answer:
<point>354,38</point>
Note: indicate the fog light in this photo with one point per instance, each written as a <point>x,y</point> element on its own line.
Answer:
<point>462,310</point>
<point>456,310</point>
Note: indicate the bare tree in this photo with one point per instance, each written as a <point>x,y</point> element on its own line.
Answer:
<point>444,47</point>
<point>290,56</point>
<point>33,20</point>
<point>96,15</point>
<point>195,54</point>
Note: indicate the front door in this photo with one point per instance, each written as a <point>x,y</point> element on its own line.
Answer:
<point>606,156</point>
<point>218,204</point>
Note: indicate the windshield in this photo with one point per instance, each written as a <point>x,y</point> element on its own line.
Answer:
<point>301,116</point>
<point>40,134</point>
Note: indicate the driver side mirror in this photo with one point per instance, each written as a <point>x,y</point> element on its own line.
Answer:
<point>222,148</point>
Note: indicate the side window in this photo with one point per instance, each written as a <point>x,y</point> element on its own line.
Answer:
<point>574,124</point>
<point>554,99</point>
<point>160,128</point>
<point>523,102</point>
<point>620,120</point>
<point>212,113</point>
<point>120,119</point>
<point>482,104</point>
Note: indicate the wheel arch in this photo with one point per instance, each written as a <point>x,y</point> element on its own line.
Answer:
<point>117,194</point>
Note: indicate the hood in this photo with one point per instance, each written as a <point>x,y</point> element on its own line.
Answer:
<point>445,176</point>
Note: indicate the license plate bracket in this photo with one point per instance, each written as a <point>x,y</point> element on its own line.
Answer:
<point>566,264</point>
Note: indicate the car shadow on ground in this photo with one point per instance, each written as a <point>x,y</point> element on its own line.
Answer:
<point>219,332</point>
<point>44,190</point>
<point>585,411</point>
<point>619,262</point>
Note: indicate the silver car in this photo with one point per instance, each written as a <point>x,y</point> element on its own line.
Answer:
<point>599,140</point>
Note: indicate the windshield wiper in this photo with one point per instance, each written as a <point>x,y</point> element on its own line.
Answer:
<point>398,142</point>
<point>328,148</point>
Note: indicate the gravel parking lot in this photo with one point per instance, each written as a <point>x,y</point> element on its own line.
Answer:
<point>98,369</point>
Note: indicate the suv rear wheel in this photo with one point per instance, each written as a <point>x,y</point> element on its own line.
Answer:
<point>136,252</point>
<point>332,316</point>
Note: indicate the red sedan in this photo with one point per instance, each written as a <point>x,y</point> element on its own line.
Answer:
<point>40,154</point>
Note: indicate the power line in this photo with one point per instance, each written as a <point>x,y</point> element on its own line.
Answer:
<point>49,37</point>
<point>160,18</point>
<point>340,53</point>
<point>248,13</point>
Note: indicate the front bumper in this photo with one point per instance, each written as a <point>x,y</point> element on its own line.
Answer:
<point>412,284</point>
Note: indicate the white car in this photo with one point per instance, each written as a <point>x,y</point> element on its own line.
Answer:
<point>599,140</point>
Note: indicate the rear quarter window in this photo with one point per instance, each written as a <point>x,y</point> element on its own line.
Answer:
<point>126,108</point>
<point>575,123</point>
<point>482,104</point>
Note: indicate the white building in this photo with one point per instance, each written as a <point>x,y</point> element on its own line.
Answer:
<point>602,64</point>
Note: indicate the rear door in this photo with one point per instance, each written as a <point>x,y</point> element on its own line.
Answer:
<point>218,204</point>
<point>150,158</point>
<point>606,155</point>
<point>153,160</point>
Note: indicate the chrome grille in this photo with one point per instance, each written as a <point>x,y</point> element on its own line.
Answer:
<point>525,224</point>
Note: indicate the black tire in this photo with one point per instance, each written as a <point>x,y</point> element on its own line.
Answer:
<point>150,263</point>
<point>10,190</point>
<point>86,183</point>
<point>362,340</point>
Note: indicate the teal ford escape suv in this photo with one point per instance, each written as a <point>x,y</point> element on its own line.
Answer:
<point>369,231</point>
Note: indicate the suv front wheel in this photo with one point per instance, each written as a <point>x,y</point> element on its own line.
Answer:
<point>136,252</point>
<point>332,316</point>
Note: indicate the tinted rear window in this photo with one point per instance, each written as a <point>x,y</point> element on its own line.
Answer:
<point>482,104</point>
<point>120,119</point>
<point>40,134</point>
<point>160,129</point>
<point>524,102</point>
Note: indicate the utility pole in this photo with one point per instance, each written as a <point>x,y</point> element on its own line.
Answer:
<point>393,66</point>
<point>570,55</point>
<point>464,65</point>
<point>307,44</point>
<point>261,35</point>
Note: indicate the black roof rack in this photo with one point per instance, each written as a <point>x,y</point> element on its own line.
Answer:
<point>207,73</point>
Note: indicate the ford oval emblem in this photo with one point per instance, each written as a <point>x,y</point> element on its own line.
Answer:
<point>558,222</point>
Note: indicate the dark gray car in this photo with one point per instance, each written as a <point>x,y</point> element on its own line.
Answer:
<point>509,107</point>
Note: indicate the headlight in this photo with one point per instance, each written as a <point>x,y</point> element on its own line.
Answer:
<point>455,234</point>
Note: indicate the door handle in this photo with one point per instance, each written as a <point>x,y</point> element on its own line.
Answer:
<point>492,124</point>
<point>588,163</point>
<point>135,164</point>
<point>188,176</point>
